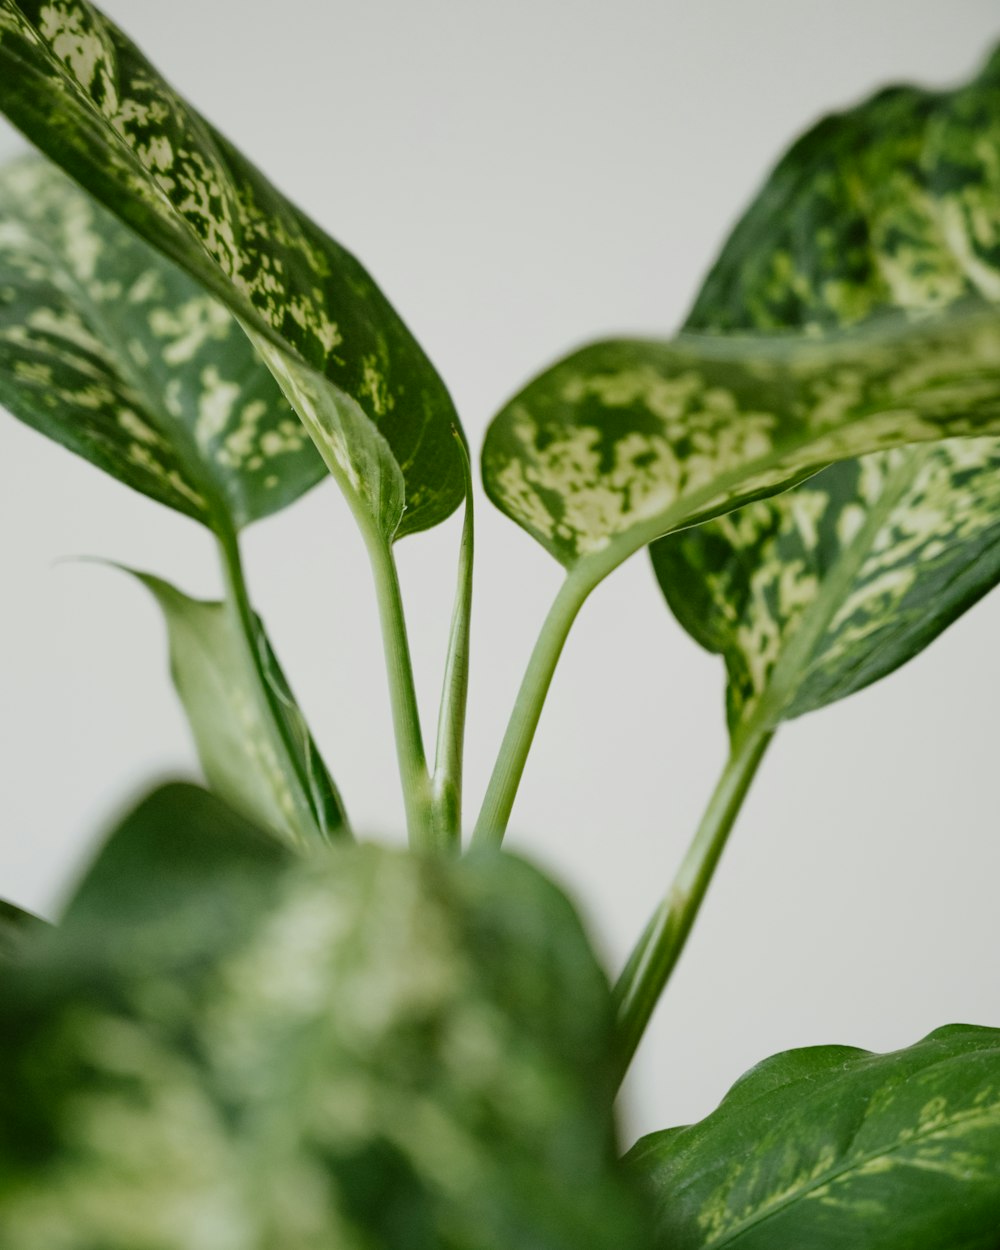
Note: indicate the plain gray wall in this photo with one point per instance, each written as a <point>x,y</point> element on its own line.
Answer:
<point>521,177</point>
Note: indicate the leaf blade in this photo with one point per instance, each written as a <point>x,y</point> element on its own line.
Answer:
<point>627,440</point>
<point>385,1025</point>
<point>234,692</point>
<point>873,209</point>
<point>113,352</point>
<point>84,93</point>
<point>831,1147</point>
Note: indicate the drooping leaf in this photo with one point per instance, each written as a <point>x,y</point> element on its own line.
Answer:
<point>813,594</point>
<point>77,87</point>
<point>16,926</point>
<point>228,1048</point>
<point>253,742</point>
<point>118,355</point>
<point>833,1148</point>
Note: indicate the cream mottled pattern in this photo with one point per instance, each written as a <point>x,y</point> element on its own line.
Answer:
<point>332,1050</point>
<point>831,1146</point>
<point>112,351</point>
<point>820,591</point>
<point>627,440</point>
<point>107,115</point>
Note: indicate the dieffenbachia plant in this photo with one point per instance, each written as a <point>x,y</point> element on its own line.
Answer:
<point>248,1031</point>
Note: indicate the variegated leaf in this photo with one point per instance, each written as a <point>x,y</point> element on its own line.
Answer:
<point>116,353</point>
<point>890,204</point>
<point>897,205</point>
<point>76,86</point>
<point>625,441</point>
<point>819,592</point>
<point>833,1148</point>
<point>222,1050</point>
<point>253,742</point>
<point>815,593</point>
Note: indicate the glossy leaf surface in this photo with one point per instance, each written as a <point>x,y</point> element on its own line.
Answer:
<point>253,741</point>
<point>228,1047</point>
<point>833,1148</point>
<point>118,355</point>
<point>813,594</point>
<point>80,90</point>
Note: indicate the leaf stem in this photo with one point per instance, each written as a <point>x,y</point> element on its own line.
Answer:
<point>308,816</point>
<point>656,954</point>
<point>402,693</point>
<point>502,788</point>
<point>446,783</point>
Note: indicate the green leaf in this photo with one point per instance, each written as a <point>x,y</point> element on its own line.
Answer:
<point>893,206</point>
<point>253,742</point>
<point>832,1147</point>
<point>815,593</point>
<point>625,441</point>
<point>16,926</point>
<point>118,355</point>
<point>225,1047</point>
<point>77,87</point>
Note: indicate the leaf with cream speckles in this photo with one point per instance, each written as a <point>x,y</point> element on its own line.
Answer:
<point>77,87</point>
<point>227,1047</point>
<point>815,593</point>
<point>833,1148</point>
<point>253,742</point>
<point>889,211</point>
<point>114,352</point>
<point>628,440</point>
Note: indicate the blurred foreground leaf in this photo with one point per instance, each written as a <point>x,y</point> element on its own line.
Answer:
<point>224,1046</point>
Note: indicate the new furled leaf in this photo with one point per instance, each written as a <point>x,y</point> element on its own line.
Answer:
<point>114,352</point>
<point>80,90</point>
<point>813,594</point>
<point>225,1047</point>
<point>835,1148</point>
<point>255,747</point>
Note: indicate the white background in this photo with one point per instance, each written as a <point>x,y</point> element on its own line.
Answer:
<point>521,177</point>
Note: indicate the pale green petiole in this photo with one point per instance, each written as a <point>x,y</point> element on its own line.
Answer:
<point>502,789</point>
<point>655,956</point>
<point>402,694</point>
<point>446,782</point>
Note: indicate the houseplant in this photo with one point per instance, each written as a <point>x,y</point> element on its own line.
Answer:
<point>458,1089</point>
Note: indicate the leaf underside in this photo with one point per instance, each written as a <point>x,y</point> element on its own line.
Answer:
<point>80,90</point>
<point>814,594</point>
<point>114,352</point>
<point>835,1149</point>
<point>228,1048</point>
